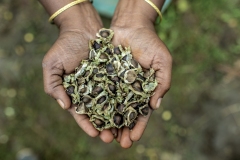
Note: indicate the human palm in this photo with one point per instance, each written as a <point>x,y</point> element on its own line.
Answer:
<point>67,52</point>
<point>78,25</point>
<point>150,52</point>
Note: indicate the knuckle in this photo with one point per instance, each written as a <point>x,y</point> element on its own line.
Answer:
<point>166,87</point>
<point>44,61</point>
<point>48,91</point>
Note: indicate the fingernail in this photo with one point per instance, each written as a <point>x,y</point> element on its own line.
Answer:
<point>114,132</point>
<point>60,102</point>
<point>158,102</point>
<point>115,135</point>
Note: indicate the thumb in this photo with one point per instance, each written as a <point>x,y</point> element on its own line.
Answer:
<point>52,78</point>
<point>162,67</point>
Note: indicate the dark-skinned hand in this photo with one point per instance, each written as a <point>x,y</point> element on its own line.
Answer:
<point>65,55</point>
<point>138,32</point>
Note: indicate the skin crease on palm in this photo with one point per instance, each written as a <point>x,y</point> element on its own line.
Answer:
<point>72,46</point>
<point>156,56</point>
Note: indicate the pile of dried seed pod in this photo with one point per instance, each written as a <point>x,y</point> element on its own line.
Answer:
<point>110,87</point>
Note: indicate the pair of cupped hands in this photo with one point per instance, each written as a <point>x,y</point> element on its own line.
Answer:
<point>77,27</point>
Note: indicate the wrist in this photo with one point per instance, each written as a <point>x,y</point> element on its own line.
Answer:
<point>136,13</point>
<point>79,16</point>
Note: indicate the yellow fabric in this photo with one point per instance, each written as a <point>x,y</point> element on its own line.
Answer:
<point>155,7</point>
<point>64,8</point>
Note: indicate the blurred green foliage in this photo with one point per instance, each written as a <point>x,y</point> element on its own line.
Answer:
<point>199,116</point>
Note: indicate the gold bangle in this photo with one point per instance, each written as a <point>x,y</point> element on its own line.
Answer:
<point>155,7</point>
<point>64,8</point>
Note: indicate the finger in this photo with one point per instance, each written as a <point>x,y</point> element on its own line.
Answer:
<point>106,136</point>
<point>140,126</point>
<point>125,138</point>
<point>119,135</point>
<point>163,67</point>
<point>52,77</point>
<point>84,123</point>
